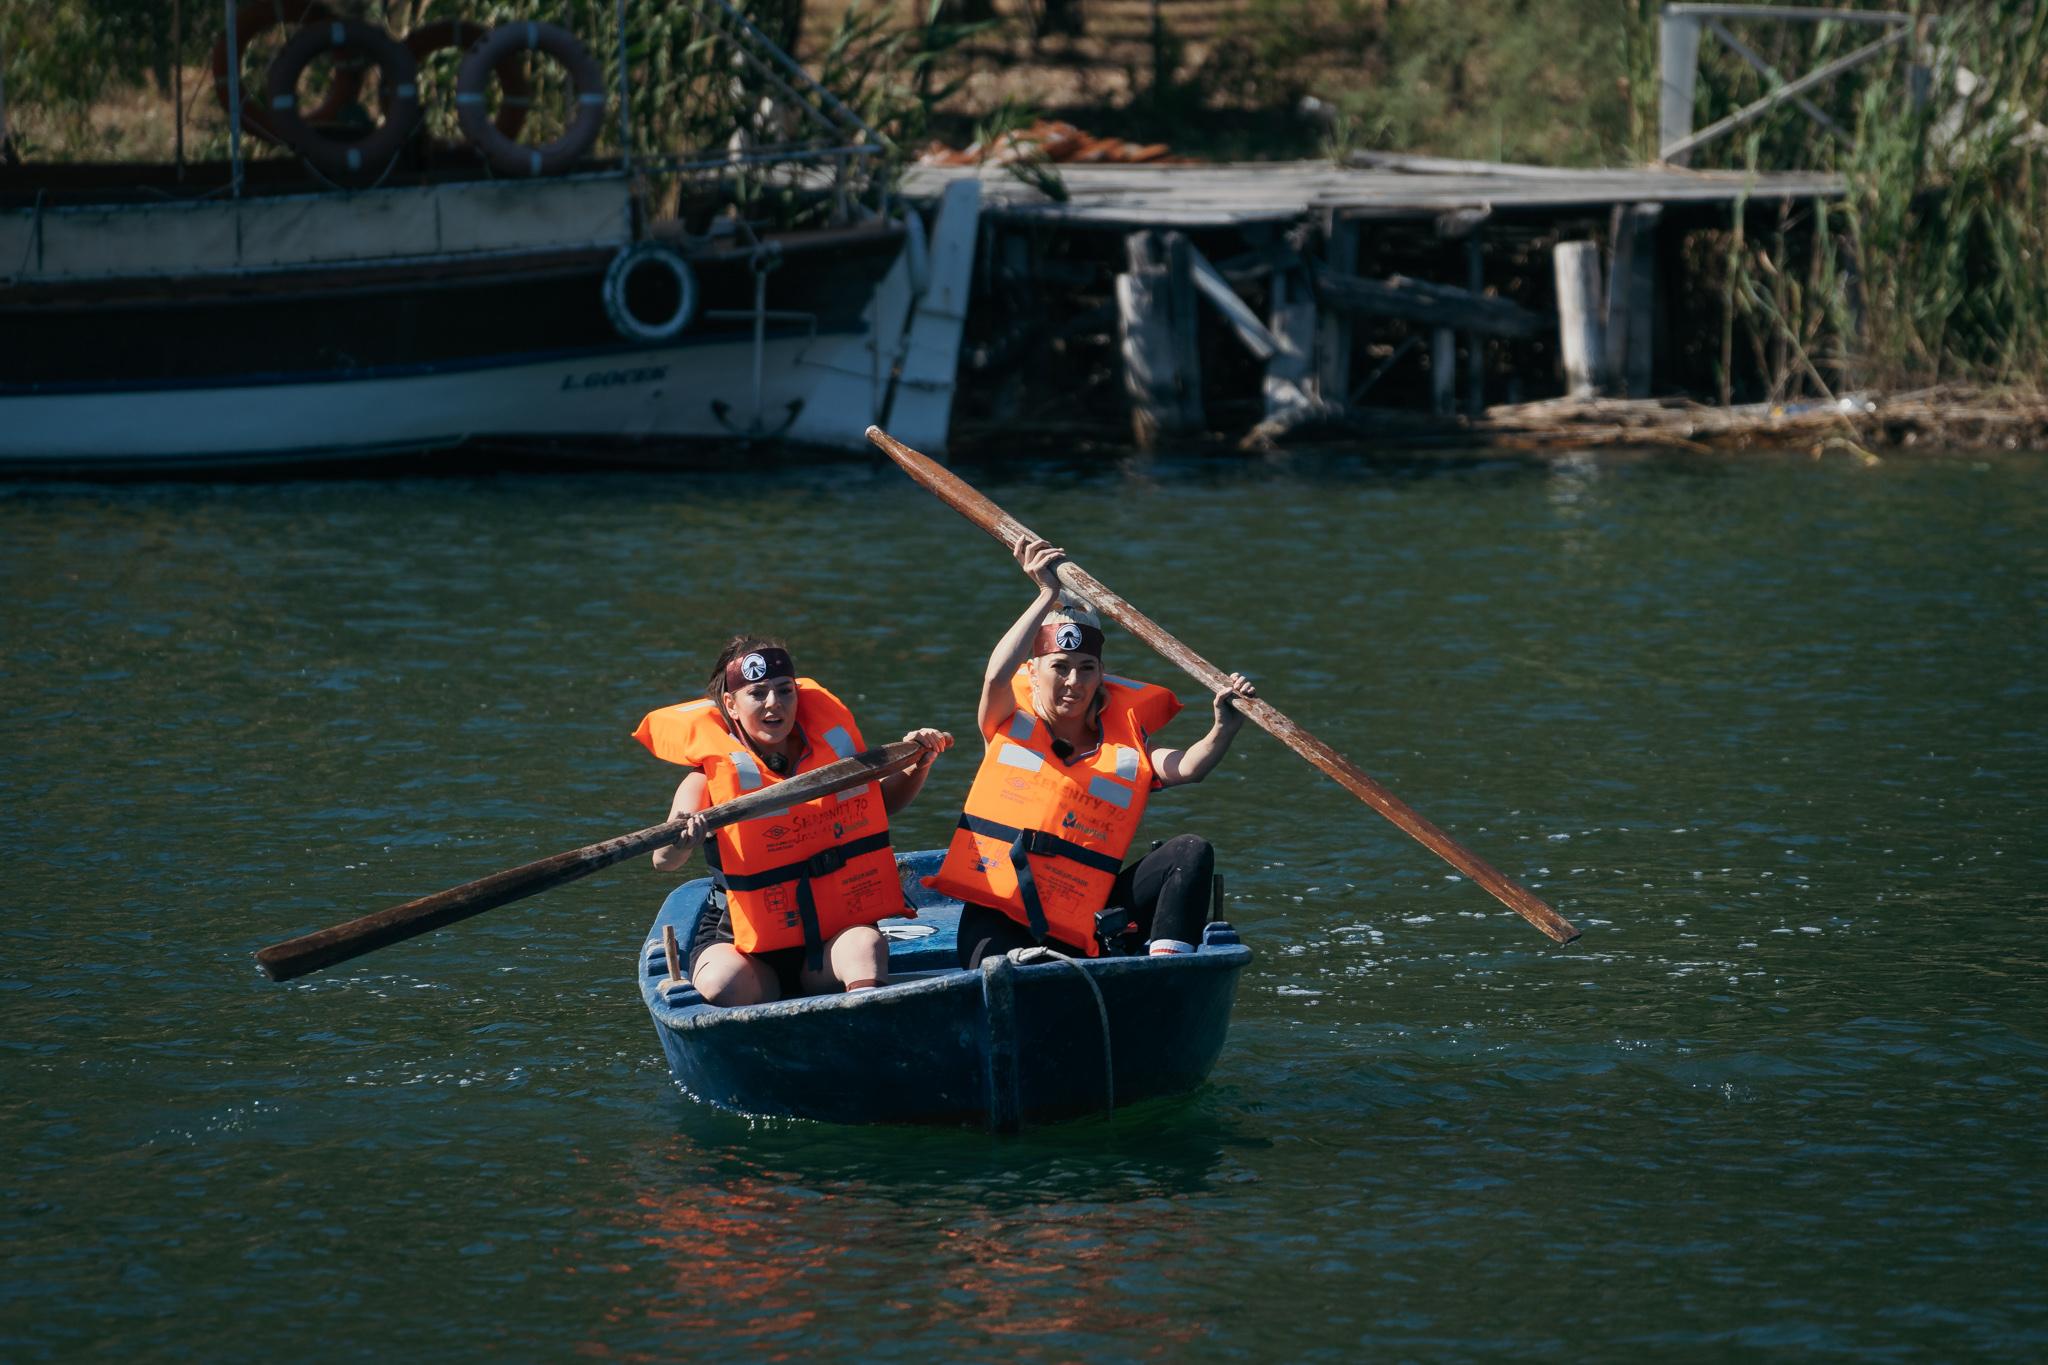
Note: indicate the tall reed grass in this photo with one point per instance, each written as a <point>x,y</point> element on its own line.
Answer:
<point>1934,268</point>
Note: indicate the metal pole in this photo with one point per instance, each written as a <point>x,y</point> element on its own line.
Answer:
<point>625,99</point>
<point>1678,72</point>
<point>1750,113</point>
<point>234,104</point>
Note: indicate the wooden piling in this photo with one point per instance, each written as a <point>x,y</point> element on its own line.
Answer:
<point>1334,329</point>
<point>1290,384</point>
<point>1157,347</point>
<point>1632,303</point>
<point>1187,353</point>
<point>1467,226</point>
<point>1287,388</point>
<point>1580,341</point>
<point>1475,342</point>
<point>1443,371</point>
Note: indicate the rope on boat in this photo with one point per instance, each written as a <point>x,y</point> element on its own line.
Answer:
<point>1026,956</point>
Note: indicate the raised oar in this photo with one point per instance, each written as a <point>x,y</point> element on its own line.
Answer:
<point>955,493</point>
<point>325,947</point>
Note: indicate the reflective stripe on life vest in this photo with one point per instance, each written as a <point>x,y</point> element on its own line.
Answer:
<point>801,874</point>
<point>1043,840</point>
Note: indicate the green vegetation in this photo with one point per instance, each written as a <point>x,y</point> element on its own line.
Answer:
<point>1947,228</point>
<point>1930,271</point>
<point>94,79</point>
<point>1570,82</point>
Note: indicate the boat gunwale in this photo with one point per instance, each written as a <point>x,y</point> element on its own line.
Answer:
<point>684,903</point>
<point>699,1013</point>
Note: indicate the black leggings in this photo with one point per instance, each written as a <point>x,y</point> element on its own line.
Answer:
<point>1167,892</point>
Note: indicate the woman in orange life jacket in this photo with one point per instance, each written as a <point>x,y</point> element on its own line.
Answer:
<point>757,947</point>
<point>1038,856</point>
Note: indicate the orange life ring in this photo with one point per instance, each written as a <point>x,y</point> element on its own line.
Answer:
<point>366,158</point>
<point>463,34</point>
<point>586,79</point>
<point>255,17</point>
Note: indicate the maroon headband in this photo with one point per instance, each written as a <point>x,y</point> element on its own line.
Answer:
<point>756,664</point>
<point>1067,637</point>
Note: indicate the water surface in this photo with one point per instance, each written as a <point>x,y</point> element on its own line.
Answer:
<point>1770,731</point>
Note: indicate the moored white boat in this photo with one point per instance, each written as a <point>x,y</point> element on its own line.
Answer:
<point>148,322</point>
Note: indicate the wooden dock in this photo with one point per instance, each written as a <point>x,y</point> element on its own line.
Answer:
<point>1373,186</point>
<point>1297,289</point>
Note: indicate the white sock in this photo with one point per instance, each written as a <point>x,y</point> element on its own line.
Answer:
<point>1169,947</point>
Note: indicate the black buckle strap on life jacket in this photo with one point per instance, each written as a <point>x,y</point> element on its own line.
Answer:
<point>823,863</point>
<point>807,917</point>
<point>1024,842</point>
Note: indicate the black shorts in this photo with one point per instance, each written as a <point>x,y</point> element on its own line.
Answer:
<point>714,926</point>
<point>1167,892</point>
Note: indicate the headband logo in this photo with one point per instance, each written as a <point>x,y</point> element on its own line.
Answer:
<point>753,668</point>
<point>1067,637</point>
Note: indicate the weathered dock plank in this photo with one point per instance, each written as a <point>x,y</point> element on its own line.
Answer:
<point>1125,197</point>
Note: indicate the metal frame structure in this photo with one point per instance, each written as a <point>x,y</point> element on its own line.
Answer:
<point>1678,48</point>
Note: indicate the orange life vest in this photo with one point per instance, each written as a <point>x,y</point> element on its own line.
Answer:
<point>1043,840</point>
<point>804,873</point>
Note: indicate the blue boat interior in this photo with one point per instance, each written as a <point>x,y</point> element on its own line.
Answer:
<point>1012,1040</point>
<point>920,945</point>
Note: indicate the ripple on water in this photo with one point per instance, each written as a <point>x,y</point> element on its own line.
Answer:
<point>1760,732</point>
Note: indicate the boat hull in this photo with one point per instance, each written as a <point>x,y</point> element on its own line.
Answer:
<point>699,390</point>
<point>1001,1046</point>
<point>295,329</point>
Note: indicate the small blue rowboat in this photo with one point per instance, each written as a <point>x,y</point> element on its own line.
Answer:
<point>1006,1044</point>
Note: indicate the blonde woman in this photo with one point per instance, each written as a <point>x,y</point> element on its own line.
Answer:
<point>1038,855</point>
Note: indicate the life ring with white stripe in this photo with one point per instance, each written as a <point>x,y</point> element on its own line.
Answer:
<point>650,293</point>
<point>366,158</point>
<point>256,17</point>
<point>463,34</point>
<point>586,82</point>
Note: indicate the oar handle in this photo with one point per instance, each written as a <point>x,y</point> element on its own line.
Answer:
<point>957,494</point>
<point>340,942</point>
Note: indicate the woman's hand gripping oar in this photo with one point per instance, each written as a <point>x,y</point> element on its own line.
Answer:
<point>955,493</point>
<point>311,952</point>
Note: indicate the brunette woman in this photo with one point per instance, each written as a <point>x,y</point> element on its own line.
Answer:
<point>798,892</point>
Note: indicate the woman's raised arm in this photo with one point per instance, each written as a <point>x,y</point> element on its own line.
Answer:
<point>1038,560</point>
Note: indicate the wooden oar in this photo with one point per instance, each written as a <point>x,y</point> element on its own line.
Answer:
<point>339,943</point>
<point>955,493</point>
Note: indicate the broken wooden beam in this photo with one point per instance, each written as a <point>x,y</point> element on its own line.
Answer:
<point>1436,305</point>
<point>1243,321</point>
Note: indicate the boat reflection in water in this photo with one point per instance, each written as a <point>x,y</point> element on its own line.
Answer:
<point>772,1232</point>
